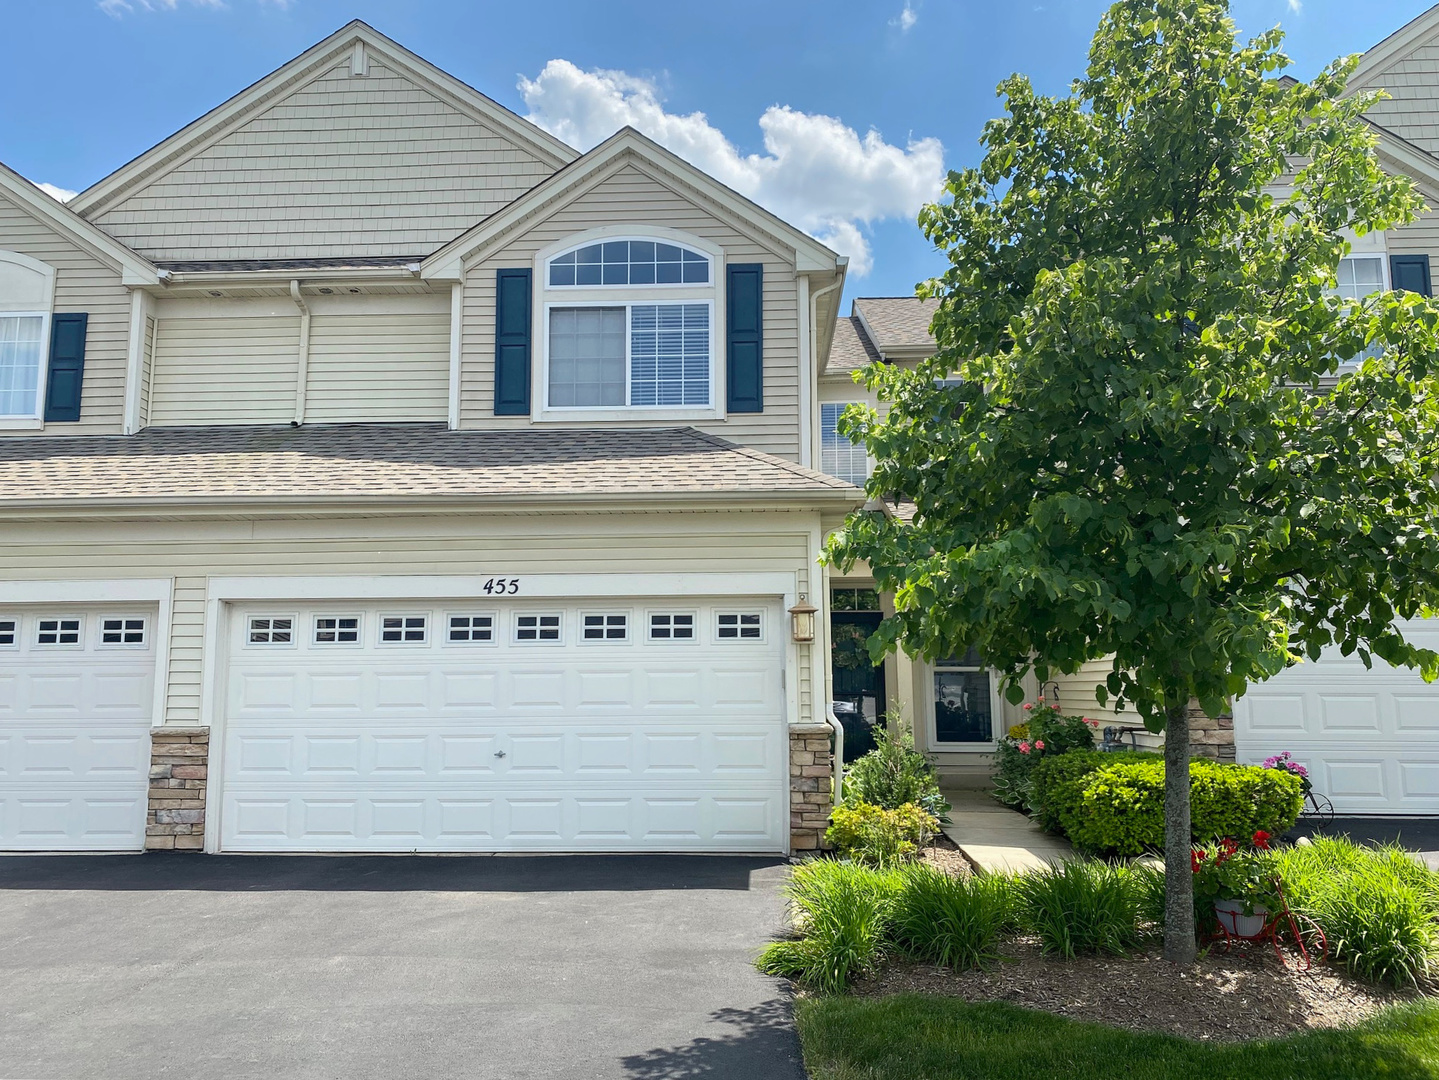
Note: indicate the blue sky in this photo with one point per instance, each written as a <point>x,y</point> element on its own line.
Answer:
<point>778,83</point>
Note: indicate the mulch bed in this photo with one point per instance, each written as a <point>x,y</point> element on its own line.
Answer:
<point>943,854</point>
<point>1243,994</point>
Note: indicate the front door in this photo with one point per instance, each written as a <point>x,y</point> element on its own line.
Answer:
<point>859,697</point>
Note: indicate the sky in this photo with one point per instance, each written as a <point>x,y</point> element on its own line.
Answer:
<point>842,117</point>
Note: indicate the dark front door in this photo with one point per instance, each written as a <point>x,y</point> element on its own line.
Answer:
<point>859,696</point>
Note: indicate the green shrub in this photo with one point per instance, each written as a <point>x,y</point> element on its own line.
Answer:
<point>1376,905</point>
<point>1050,790</point>
<point>1047,733</point>
<point>1083,906</point>
<point>952,921</point>
<point>871,834</point>
<point>844,912</point>
<point>895,773</point>
<point>1118,807</point>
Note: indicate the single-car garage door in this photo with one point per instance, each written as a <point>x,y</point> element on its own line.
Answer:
<point>524,726</point>
<point>1370,737</point>
<point>77,688</point>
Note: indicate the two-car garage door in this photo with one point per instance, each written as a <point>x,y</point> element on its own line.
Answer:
<point>1370,737</point>
<point>505,725</point>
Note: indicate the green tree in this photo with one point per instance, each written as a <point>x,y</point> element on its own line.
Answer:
<point>1136,438</point>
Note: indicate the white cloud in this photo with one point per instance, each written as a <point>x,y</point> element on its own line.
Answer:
<point>908,17</point>
<point>816,172</point>
<point>118,9</point>
<point>58,193</point>
<point>1295,6</point>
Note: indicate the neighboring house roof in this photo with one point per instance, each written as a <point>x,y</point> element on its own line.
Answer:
<point>629,144</point>
<point>851,348</point>
<point>134,268</point>
<point>897,323</point>
<point>414,461</point>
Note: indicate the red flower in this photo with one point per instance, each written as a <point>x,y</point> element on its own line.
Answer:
<point>1261,840</point>
<point>1196,859</point>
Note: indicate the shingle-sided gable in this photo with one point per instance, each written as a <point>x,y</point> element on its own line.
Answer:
<point>342,166</point>
<point>1406,66</point>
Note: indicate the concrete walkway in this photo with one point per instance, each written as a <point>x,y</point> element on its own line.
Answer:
<point>998,840</point>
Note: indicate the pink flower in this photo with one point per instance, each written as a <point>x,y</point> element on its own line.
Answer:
<point>1039,744</point>
<point>1028,706</point>
<point>1024,746</point>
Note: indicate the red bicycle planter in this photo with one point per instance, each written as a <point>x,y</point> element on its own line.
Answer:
<point>1273,927</point>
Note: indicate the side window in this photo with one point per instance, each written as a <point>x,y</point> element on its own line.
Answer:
<point>837,455</point>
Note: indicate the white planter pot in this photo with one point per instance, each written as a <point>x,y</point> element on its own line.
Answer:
<point>1232,918</point>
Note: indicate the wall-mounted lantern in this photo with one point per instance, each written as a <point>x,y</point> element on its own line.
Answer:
<point>802,619</point>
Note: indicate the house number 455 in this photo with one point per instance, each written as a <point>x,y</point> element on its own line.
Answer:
<point>501,586</point>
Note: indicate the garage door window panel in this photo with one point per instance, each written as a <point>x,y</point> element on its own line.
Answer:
<point>122,632</point>
<point>538,629</point>
<point>9,633</point>
<point>672,626</point>
<point>271,630</point>
<point>739,626</point>
<point>336,630</point>
<point>60,633</point>
<point>613,627</point>
<point>404,629</point>
<point>471,629</point>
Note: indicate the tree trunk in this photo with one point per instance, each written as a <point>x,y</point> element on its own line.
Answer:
<point>1179,945</point>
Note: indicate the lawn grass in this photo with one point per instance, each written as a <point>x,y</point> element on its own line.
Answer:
<point>928,1037</point>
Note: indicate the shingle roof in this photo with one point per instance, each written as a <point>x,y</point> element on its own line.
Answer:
<point>898,322</point>
<point>348,262</point>
<point>851,349</point>
<point>416,461</point>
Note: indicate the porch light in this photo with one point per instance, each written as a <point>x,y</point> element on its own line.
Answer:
<point>802,619</point>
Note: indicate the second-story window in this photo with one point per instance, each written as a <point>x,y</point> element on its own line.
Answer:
<point>629,324</point>
<point>837,455</point>
<point>26,289</point>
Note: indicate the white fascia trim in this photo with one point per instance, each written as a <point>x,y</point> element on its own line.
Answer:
<point>157,591</point>
<point>135,360</point>
<point>1371,64</point>
<point>533,586</point>
<point>134,269</point>
<point>1414,163</point>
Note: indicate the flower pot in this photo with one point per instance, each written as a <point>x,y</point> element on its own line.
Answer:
<point>1231,916</point>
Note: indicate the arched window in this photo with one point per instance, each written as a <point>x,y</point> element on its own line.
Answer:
<point>26,290</point>
<point>629,324</point>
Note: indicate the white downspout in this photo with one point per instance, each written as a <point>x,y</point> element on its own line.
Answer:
<point>302,375</point>
<point>838,752</point>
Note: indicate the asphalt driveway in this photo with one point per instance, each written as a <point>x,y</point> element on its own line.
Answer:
<point>214,966</point>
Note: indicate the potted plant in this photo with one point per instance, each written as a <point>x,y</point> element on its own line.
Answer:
<point>1286,762</point>
<point>1239,883</point>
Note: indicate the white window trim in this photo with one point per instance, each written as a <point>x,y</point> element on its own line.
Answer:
<point>17,633</point>
<point>77,644</point>
<point>424,641</point>
<point>145,629</point>
<point>1385,283</point>
<point>547,297</point>
<point>739,639</point>
<point>996,713</point>
<point>293,643</point>
<point>695,626</point>
<point>20,421</point>
<point>470,643</point>
<point>314,639</point>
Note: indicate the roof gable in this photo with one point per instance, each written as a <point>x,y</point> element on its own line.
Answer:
<point>356,145</point>
<point>1406,66</point>
<point>133,268</point>
<point>628,148</point>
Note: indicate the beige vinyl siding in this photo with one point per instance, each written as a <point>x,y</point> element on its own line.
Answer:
<point>225,370</point>
<point>1412,81</point>
<point>378,368</point>
<point>82,283</point>
<point>631,197</point>
<point>1421,236</point>
<point>474,544</point>
<point>340,166</point>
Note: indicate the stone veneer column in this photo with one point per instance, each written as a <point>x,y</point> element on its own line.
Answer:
<point>1210,738</point>
<point>811,772</point>
<point>179,769</point>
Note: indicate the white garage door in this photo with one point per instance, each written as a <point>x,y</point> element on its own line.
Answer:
<point>612,726</point>
<point>1370,737</point>
<point>77,692</point>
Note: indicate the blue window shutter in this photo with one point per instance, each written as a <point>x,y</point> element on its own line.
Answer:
<point>1410,273</point>
<point>512,342</point>
<point>67,366</point>
<point>744,338</point>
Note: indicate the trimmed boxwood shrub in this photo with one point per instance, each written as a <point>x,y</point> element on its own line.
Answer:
<point>1118,809</point>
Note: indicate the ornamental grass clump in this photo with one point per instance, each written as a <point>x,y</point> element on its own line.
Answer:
<point>1376,905</point>
<point>844,912</point>
<point>954,922</point>
<point>1082,906</point>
